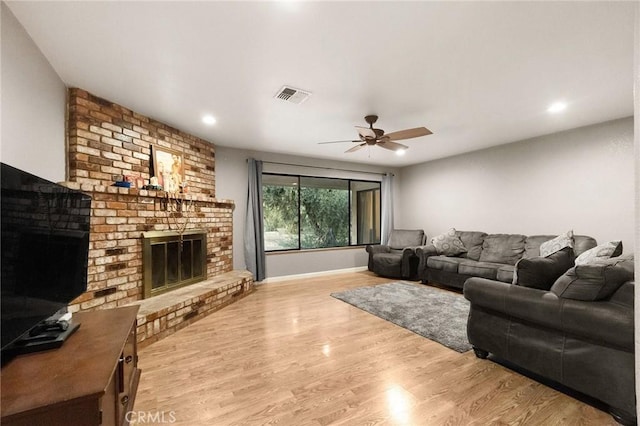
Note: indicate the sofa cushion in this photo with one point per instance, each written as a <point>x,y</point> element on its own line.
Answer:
<point>505,273</point>
<point>401,238</point>
<point>582,243</point>
<point>532,245</point>
<point>542,272</point>
<point>595,281</point>
<point>557,244</point>
<point>480,269</point>
<point>472,241</point>
<point>502,248</point>
<point>388,264</point>
<point>601,252</point>
<point>448,243</point>
<point>444,263</point>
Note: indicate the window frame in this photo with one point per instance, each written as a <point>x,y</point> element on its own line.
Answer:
<point>349,190</point>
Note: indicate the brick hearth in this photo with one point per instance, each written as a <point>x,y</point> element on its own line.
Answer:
<point>162,315</point>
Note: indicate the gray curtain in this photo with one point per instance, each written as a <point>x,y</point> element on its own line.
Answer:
<point>254,228</point>
<point>386,222</point>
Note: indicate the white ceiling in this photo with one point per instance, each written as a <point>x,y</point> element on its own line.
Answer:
<point>476,74</point>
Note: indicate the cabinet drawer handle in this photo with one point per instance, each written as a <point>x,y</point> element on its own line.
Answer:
<point>124,399</point>
<point>128,359</point>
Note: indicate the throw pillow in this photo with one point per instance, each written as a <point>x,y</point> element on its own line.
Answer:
<point>594,281</point>
<point>556,244</point>
<point>601,252</point>
<point>502,248</point>
<point>448,244</point>
<point>542,272</point>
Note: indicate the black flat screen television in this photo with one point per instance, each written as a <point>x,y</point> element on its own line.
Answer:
<point>45,250</point>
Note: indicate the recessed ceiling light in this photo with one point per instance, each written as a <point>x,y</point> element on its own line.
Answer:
<point>557,107</point>
<point>209,119</point>
<point>400,152</point>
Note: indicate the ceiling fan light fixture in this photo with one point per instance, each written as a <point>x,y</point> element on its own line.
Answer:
<point>377,137</point>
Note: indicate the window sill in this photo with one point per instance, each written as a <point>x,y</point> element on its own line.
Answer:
<point>296,251</point>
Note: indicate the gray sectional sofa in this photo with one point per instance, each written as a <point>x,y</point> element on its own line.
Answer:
<point>490,256</point>
<point>573,325</point>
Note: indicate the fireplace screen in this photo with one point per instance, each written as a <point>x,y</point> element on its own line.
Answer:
<point>171,261</point>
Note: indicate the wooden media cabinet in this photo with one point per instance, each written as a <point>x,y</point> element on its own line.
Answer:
<point>91,380</point>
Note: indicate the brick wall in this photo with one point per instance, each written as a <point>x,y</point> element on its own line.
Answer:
<point>106,140</point>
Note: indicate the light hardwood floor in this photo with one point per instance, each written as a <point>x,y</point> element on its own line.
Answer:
<point>290,354</point>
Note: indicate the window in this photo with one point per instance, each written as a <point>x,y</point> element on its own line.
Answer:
<point>302,212</point>
<point>366,213</point>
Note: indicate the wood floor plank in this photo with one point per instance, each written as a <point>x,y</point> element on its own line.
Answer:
<point>290,354</point>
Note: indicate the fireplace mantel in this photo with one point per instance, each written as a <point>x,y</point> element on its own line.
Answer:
<point>115,190</point>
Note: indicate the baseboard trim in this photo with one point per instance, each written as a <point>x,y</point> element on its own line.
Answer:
<point>310,275</point>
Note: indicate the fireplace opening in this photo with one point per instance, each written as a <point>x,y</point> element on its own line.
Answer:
<point>171,260</point>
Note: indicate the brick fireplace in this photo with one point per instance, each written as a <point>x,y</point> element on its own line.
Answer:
<point>106,141</point>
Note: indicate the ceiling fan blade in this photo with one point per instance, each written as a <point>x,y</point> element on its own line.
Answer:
<point>391,145</point>
<point>409,133</point>
<point>355,148</point>
<point>366,132</point>
<point>322,143</point>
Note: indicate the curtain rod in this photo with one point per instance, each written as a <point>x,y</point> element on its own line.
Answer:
<point>326,168</point>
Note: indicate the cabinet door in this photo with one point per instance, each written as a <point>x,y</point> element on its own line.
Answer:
<point>130,360</point>
<point>85,412</point>
<point>126,369</point>
<point>108,403</point>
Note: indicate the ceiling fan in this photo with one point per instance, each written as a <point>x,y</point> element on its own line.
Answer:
<point>370,136</point>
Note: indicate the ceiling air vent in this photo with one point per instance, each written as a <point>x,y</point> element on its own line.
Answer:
<point>293,95</point>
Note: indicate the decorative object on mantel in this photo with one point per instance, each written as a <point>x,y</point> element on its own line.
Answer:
<point>124,183</point>
<point>168,169</point>
<point>179,209</point>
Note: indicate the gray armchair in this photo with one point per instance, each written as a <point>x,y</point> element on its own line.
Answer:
<point>398,258</point>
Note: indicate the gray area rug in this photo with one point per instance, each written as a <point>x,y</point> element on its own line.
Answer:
<point>433,313</point>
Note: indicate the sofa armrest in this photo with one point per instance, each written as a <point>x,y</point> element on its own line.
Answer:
<point>604,322</point>
<point>377,248</point>
<point>426,250</point>
<point>423,253</point>
<point>407,254</point>
<point>542,272</point>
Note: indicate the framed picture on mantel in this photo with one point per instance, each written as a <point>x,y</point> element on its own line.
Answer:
<point>168,168</point>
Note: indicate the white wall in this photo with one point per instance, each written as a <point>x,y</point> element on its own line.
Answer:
<point>581,179</point>
<point>33,105</point>
<point>231,183</point>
